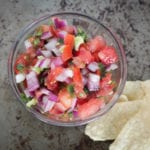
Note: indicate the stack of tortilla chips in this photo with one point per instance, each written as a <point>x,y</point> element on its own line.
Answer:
<point>128,122</point>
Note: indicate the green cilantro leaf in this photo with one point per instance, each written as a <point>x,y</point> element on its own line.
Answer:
<point>81,33</point>
<point>20,67</point>
<point>70,89</point>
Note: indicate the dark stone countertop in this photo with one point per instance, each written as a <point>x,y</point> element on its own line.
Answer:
<point>130,19</point>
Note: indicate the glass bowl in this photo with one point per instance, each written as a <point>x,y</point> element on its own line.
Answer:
<point>92,27</point>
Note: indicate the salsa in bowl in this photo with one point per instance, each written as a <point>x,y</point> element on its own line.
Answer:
<point>67,69</point>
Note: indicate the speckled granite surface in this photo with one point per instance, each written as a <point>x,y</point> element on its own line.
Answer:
<point>130,19</point>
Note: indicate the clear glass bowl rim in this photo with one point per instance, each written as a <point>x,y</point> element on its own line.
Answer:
<point>79,122</point>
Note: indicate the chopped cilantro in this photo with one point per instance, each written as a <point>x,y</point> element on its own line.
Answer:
<point>81,33</point>
<point>20,67</point>
<point>38,32</point>
<point>70,89</point>
<point>60,41</point>
<point>50,23</point>
<point>24,98</point>
<point>36,42</point>
<point>86,90</point>
<point>102,69</point>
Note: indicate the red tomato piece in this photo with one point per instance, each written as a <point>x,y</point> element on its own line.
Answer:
<point>50,81</point>
<point>97,44</point>
<point>67,53</point>
<point>78,62</point>
<point>22,60</point>
<point>31,52</point>
<point>78,84</point>
<point>69,40</point>
<point>85,55</point>
<point>65,98</point>
<point>105,85</point>
<point>89,108</point>
<point>108,55</point>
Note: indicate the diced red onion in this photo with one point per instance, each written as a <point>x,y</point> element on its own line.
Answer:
<point>67,73</point>
<point>84,80</point>
<point>75,113</point>
<point>112,67</point>
<point>56,51</point>
<point>46,53</point>
<point>61,34</point>
<point>51,44</point>
<point>74,102</point>
<point>27,44</point>
<point>45,63</point>
<point>38,52</point>
<point>57,61</point>
<point>46,104</point>
<point>84,71</point>
<point>20,77</point>
<point>32,81</point>
<point>52,97</point>
<point>27,93</point>
<point>93,82</point>
<point>93,66</point>
<point>46,35</point>
<point>45,91</point>
<point>59,23</point>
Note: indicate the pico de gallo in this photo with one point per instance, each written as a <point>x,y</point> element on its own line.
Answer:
<point>64,73</point>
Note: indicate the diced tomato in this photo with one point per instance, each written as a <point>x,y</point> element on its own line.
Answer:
<point>89,108</point>
<point>57,109</point>
<point>67,53</point>
<point>45,28</point>
<point>97,44</point>
<point>78,62</point>
<point>77,77</point>
<point>69,40</point>
<point>105,85</point>
<point>106,80</point>
<point>85,55</point>
<point>50,81</point>
<point>23,60</point>
<point>95,55</point>
<point>60,107</point>
<point>78,84</point>
<point>108,55</point>
<point>106,90</point>
<point>31,52</point>
<point>65,98</point>
<point>69,29</point>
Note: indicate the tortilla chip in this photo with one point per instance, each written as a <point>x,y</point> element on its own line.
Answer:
<point>123,98</point>
<point>136,133</point>
<point>109,125</point>
<point>146,88</point>
<point>133,90</point>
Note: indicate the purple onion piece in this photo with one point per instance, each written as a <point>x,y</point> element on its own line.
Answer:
<point>93,82</point>
<point>59,23</point>
<point>74,102</point>
<point>32,81</point>
<point>112,67</point>
<point>62,34</point>
<point>52,97</point>
<point>93,66</point>
<point>46,35</point>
